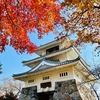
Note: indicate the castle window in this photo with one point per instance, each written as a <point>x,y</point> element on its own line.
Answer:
<point>46,78</point>
<point>63,74</point>
<point>31,81</point>
<point>44,85</point>
<point>53,49</point>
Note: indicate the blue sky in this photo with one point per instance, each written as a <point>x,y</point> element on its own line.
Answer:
<point>11,61</point>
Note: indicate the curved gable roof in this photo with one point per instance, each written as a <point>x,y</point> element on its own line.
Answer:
<point>45,65</point>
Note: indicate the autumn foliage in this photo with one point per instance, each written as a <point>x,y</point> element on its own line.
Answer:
<point>18,17</point>
<point>83,20</point>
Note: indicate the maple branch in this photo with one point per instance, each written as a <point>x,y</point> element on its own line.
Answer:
<point>97,7</point>
<point>17,6</point>
<point>0,15</point>
<point>79,17</point>
<point>17,2</point>
<point>9,18</point>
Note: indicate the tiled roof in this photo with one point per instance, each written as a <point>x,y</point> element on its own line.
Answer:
<point>48,65</point>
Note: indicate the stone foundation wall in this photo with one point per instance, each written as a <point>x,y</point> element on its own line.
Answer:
<point>29,93</point>
<point>65,90</point>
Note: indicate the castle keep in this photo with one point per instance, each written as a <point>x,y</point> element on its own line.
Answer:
<point>59,73</point>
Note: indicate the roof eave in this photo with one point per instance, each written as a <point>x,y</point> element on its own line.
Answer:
<point>56,67</point>
<point>46,56</point>
<point>87,69</point>
<point>49,44</point>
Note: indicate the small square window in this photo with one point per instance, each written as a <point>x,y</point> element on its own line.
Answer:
<point>63,74</point>
<point>31,81</point>
<point>66,73</point>
<point>46,78</point>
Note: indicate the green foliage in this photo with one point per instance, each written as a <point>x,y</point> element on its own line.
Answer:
<point>9,96</point>
<point>0,68</point>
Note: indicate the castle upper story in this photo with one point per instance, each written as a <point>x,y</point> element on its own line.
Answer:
<point>54,51</point>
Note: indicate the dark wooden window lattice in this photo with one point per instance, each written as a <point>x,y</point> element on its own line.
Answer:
<point>53,49</point>
<point>31,81</point>
<point>63,74</point>
<point>44,85</point>
<point>46,78</point>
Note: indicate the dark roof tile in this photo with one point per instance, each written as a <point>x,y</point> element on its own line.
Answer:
<point>45,66</point>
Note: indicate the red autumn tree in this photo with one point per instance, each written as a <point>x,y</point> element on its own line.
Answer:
<point>18,17</point>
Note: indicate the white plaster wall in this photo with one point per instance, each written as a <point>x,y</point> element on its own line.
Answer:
<point>54,77</point>
<point>65,56</point>
<point>61,57</point>
<point>80,77</point>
